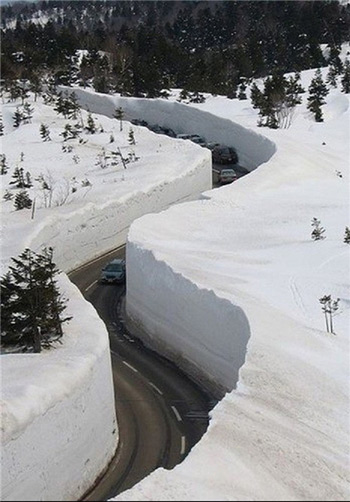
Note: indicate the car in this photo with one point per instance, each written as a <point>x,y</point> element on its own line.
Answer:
<point>211,145</point>
<point>227,176</point>
<point>199,140</point>
<point>114,272</point>
<point>183,136</point>
<point>223,154</point>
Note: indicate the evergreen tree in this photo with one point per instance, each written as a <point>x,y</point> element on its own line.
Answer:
<point>23,91</point>
<point>317,92</point>
<point>131,138</point>
<point>345,80</point>
<point>17,118</point>
<point>32,306</point>
<point>241,91</point>
<point>318,231</point>
<point>1,126</point>
<point>91,126</point>
<point>256,96</point>
<point>27,113</point>
<point>331,78</point>
<point>45,132</point>
<point>334,59</point>
<point>184,94</point>
<point>119,115</point>
<point>3,166</point>
<point>18,178</point>
<point>7,195</point>
<point>347,235</point>
<point>69,132</point>
<point>35,85</point>
<point>22,200</point>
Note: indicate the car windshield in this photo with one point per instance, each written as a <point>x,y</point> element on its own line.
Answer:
<point>114,267</point>
<point>228,172</point>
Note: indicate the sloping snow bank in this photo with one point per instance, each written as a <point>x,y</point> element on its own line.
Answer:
<point>253,148</point>
<point>58,421</point>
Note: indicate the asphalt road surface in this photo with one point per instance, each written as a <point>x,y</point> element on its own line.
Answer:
<point>161,413</point>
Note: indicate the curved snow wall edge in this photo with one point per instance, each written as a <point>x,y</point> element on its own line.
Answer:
<point>58,426</point>
<point>253,149</point>
<point>178,319</point>
<point>77,237</point>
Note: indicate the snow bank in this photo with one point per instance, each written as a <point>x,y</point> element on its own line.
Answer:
<point>58,421</point>
<point>253,148</point>
<point>59,428</point>
<point>203,334</point>
<point>283,432</point>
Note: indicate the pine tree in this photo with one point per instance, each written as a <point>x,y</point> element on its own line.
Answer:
<point>17,118</point>
<point>18,178</point>
<point>317,92</point>
<point>318,231</point>
<point>32,305</point>
<point>22,201</point>
<point>69,132</point>
<point>23,91</point>
<point>27,113</point>
<point>131,138</point>
<point>3,166</point>
<point>8,195</point>
<point>256,96</point>
<point>119,115</point>
<point>345,80</point>
<point>331,78</point>
<point>1,126</point>
<point>347,235</point>
<point>91,126</point>
<point>241,91</point>
<point>184,94</point>
<point>45,132</point>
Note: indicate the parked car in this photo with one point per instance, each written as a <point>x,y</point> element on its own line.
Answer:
<point>211,145</point>
<point>183,136</point>
<point>227,176</point>
<point>223,154</point>
<point>114,272</point>
<point>199,140</point>
<point>139,122</point>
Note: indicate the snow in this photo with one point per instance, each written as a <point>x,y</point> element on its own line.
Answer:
<point>241,278</point>
<point>282,430</point>
<point>57,411</point>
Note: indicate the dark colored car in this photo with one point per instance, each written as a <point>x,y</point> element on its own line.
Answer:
<point>115,272</point>
<point>223,154</point>
<point>227,176</point>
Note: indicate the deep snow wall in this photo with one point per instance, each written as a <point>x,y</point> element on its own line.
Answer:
<point>253,149</point>
<point>58,436</point>
<point>86,233</point>
<point>203,334</point>
<point>58,422</point>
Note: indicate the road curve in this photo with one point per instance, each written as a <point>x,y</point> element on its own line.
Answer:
<point>161,413</point>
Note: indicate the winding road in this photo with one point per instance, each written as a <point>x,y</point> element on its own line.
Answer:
<point>161,413</point>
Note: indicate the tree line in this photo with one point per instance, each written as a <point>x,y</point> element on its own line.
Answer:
<point>142,48</point>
